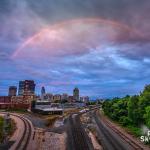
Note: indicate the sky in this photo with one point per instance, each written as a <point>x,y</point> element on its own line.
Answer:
<point>100,46</point>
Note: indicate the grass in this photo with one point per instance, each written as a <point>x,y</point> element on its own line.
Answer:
<point>22,111</point>
<point>10,128</point>
<point>134,130</point>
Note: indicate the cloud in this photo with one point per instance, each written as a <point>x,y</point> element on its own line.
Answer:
<point>57,45</point>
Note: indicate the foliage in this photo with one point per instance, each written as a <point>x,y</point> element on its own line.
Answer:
<point>147,116</point>
<point>17,110</point>
<point>135,130</point>
<point>134,111</point>
<point>10,128</point>
<point>130,111</point>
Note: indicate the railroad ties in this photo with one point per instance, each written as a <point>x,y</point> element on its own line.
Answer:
<point>79,137</point>
<point>102,124</point>
<point>133,144</point>
<point>23,143</point>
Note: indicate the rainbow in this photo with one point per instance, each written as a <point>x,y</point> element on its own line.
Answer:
<point>84,20</point>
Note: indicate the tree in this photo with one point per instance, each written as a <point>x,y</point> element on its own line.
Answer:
<point>144,100</point>
<point>147,116</point>
<point>133,110</point>
<point>125,121</point>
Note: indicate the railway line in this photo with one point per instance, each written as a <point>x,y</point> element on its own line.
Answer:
<point>23,142</point>
<point>112,138</point>
<point>80,140</point>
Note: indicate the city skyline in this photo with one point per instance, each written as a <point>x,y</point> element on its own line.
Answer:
<point>27,87</point>
<point>101,47</point>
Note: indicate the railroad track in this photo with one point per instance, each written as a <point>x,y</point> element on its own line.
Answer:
<point>80,140</point>
<point>24,140</point>
<point>129,141</point>
<point>133,145</point>
<point>107,138</point>
<point>23,143</point>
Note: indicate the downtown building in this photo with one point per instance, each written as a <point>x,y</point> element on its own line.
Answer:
<point>26,87</point>
<point>25,94</point>
<point>22,100</point>
<point>76,94</point>
<point>12,91</point>
<point>43,92</point>
<point>57,98</point>
<point>47,97</point>
<point>64,97</point>
<point>85,99</point>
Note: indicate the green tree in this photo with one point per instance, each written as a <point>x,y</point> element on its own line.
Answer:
<point>147,116</point>
<point>144,100</point>
<point>133,110</point>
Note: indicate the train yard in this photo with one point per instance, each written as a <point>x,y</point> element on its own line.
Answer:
<point>77,133</point>
<point>112,138</point>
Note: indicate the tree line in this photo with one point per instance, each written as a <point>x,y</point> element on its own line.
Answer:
<point>130,111</point>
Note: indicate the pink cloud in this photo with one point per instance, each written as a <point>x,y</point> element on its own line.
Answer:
<point>73,38</point>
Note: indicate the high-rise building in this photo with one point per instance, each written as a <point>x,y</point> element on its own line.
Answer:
<point>26,87</point>
<point>76,94</point>
<point>43,91</point>
<point>12,91</point>
<point>21,88</point>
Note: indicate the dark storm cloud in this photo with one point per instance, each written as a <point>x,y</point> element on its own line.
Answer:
<point>127,11</point>
<point>121,69</point>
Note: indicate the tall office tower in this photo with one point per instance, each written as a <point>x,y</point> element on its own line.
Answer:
<point>76,94</point>
<point>12,91</point>
<point>42,92</point>
<point>21,88</point>
<point>26,87</point>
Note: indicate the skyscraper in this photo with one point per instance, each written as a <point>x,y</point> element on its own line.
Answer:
<point>21,88</point>
<point>76,94</point>
<point>26,87</point>
<point>42,92</point>
<point>12,91</point>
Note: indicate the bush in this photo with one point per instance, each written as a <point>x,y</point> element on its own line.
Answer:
<point>125,121</point>
<point>135,130</point>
